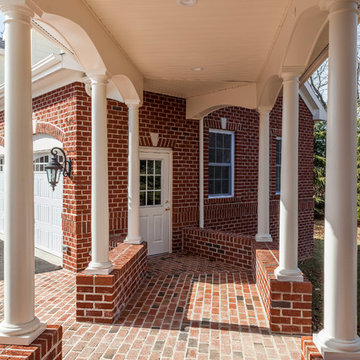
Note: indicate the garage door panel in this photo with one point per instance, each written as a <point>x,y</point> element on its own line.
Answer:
<point>57,242</point>
<point>56,216</point>
<point>48,220</point>
<point>47,208</point>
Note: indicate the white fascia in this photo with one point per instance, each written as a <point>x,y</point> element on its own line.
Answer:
<point>312,102</point>
<point>51,64</point>
<point>51,73</point>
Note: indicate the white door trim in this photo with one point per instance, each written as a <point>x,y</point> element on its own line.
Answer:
<point>148,150</point>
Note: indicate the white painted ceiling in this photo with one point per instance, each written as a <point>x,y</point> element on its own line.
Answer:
<point>230,39</point>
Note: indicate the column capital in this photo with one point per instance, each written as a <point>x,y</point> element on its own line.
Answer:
<point>132,105</point>
<point>263,110</point>
<point>291,73</point>
<point>16,11</point>
<point>98,79</point>
<point>339,5</point>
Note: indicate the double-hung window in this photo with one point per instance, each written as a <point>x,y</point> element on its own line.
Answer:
<point>278,164</point>
<point>221,163</point>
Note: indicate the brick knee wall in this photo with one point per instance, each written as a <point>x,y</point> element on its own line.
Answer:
<point>287,304</point>
<point>308,349</point>
<point>101,298</point>
<point>234,249</point>
<point>48,346</point>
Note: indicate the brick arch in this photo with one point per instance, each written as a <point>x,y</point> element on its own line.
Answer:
<point>163,142</point>
<point>49,129</point>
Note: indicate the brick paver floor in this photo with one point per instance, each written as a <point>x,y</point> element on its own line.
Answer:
<point>187,308</point>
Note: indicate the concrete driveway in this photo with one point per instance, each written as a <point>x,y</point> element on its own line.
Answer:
<point>41,266</point>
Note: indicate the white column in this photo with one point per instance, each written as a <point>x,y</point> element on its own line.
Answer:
<point>263,233</point>
<point>339,339</point>
<point>20,326</point>
<point>133,236</point>
<point>201,172</point>
<point>100,263</point>
<point>288,248</point>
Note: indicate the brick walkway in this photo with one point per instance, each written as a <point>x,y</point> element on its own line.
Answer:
<point>187,308</point>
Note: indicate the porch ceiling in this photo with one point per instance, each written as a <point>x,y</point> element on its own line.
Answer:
<point>231,40</point>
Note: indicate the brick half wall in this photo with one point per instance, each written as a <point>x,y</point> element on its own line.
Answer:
<point>287,304</point>
<point>47,346</point>
<point>308,349</point>
<point>234,249</point>
<point>102,298</point>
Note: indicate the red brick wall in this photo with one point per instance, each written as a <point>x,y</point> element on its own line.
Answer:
<point>101,298</point>
<point>239,214</point>
<point>164,115</point>
<point>234,249</point>
<point>65,113</point>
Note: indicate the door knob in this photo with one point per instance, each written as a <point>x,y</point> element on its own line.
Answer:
<point>167,209</point>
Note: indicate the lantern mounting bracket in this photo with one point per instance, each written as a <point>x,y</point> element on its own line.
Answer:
<point>54,168</point>
<point>66,165</point>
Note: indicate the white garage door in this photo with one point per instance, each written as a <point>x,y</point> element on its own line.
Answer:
<point>47,208</point>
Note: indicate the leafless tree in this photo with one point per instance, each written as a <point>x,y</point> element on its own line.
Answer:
<point>319,79</point>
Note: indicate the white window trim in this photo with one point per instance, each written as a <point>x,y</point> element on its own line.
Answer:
<point>276,165</point>
<point>220,196</point>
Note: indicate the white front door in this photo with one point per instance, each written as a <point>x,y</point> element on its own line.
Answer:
<point>155,200</point>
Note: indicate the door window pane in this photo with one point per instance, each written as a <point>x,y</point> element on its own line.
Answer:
<point>157,197</point>
<point>142,182</point>
<point>150,198</point>
<point>142,166</point>
<point>157,182</point>
<point>142,198</point>
<point>150,182</point>
<point>158,167</point>
<point>150,167</point>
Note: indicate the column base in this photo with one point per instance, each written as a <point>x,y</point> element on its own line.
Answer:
<point>135,240</point>
<point>288,275</point>
<point>8,332</point>
<point>263,238</point>
<point>332,349</point>
<point>99,268</point>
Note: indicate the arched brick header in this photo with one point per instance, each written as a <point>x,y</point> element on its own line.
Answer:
<point>163,142</point>
<point>49,129</point>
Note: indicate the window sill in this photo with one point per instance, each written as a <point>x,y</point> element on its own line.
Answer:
<point>220,196</point>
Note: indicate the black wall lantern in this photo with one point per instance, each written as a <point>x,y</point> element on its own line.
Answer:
<point>54,168</point>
